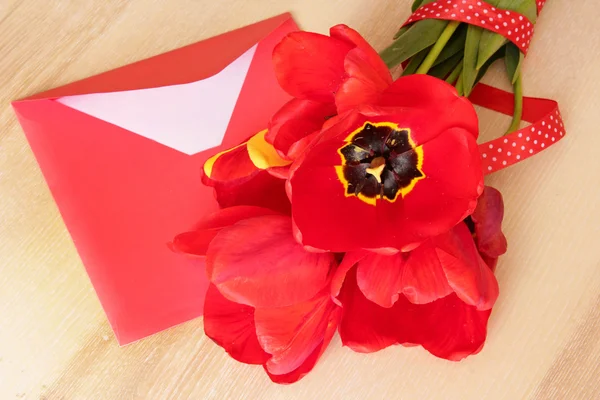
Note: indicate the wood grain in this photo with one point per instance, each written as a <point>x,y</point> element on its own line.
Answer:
<point>544,339</point>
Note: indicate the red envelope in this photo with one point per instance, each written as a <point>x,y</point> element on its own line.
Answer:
<point>126,187</point>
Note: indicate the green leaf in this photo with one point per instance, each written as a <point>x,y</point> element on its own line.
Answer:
<point>529,9</point>
<point>513,59</point>
<point>490,41</point>
<point>469,72</point>
<point>442,70</point>
<point>416,4</point>
<point>415,61</point>
<point>419,36</point>
<point>454,46</point>
<point>400,32</point>
<point>483,70</point>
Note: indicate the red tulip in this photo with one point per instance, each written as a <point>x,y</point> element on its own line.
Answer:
<point>447,328</point>
<point>389,177</point>
<point>326,75</point>
<point>486,226</point>
<point>244,175</point>
<point>269,302</point>
<point>287,341</point>
<point>439,295</point>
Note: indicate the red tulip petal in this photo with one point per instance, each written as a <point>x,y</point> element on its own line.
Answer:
<point>259,263</point>
<point>310,362</point>
<point>310,66</point>
<point>467,273</point>
<point>229,216</point>
<point>490,261</point>
<point>299,372</point>
<point>296,120</point>
<point>379,277</point>
<point>417,274</point>
<point>451,160</point>
<point>368,78</point>
<point>280,172</point>
<point>296,149</point>
<point>229,165</point>
<point>420,91</point>
<point>428,93</point>
<point>450,190</point>
<point>193,243</point>
<point>350,36</point>
<point>354,92</point>
<point>452,329</point>
<point>196,242</point>
<point>487,219</point>
<point>365,327</point>
<point>350,259</point>
<point>290,132</point>
<point>291,334</point>
<point>231,326</point>
<point>423,279</point>
<point>261,189</point>
<point>370,56</point>
<point>364,62</point>
<point>340,126</point>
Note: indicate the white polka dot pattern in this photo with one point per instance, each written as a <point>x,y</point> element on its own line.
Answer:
<point>510,24</point>
<point>522,144</point>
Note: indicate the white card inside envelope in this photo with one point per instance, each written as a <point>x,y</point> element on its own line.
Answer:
<point>190,118</point>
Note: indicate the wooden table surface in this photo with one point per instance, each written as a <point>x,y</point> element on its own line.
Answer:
<point>544,334</point>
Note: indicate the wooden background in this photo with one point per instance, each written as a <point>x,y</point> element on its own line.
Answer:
<point>544,336</point>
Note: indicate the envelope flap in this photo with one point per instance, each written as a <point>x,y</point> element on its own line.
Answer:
<point>184,65</point>
<point>189,118</point>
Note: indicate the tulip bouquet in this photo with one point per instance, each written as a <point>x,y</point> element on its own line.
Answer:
<point>362,206</point>
<point>461,49</point>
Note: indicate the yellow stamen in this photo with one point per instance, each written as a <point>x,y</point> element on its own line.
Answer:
<point>376,168</point>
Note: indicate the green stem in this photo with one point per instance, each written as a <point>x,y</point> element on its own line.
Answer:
<point>454,75</point>
<point>414,63</point>
<point>438,47</point>
<point>518,113</point>
<point>459,85</point>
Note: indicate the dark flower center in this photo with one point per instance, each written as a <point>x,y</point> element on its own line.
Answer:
<point>380,160</point>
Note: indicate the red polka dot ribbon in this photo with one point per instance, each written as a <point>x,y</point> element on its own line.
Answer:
<point>546,129</point>
<point>514,26</point>
<point>540,5</point>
